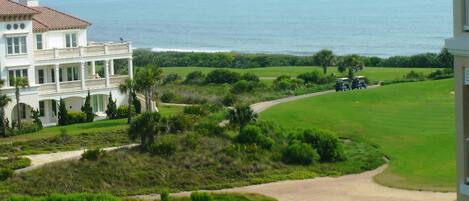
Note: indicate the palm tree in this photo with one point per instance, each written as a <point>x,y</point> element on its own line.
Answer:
<point>324,58</point>
<point>128,87</point>
<point>352,63</point>
<point>19,82</point>
<point>4,100</point>
<point>242,115</point>
<point>146,127</point>
<point>147,80</point>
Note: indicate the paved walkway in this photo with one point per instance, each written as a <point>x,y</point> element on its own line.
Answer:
<point>357,187</point>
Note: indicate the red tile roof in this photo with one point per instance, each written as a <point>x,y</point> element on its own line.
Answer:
<point>10,8</point>
<point>50,19</point>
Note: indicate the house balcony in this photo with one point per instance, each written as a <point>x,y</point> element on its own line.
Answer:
<point>78,85</point>
<point>94,51</point>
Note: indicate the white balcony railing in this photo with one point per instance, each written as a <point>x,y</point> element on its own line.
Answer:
<point>92,84</point>
<point>94,49</point>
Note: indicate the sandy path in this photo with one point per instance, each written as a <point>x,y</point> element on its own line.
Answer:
<point>357,187</point>
<point>43,159</point>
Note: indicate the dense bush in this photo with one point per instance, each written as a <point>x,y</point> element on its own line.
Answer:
<point>210,128</point>
<point>242,86</point>
<point>251,77</point>
<point>171,78</point>
<point>441,74</point>
<point>196,77</point>
<point>253,135</point>
<point>192,141</point>
<point>315,77</point>
<point>69,197</point>
<point>123,111</point>
<point>286,83</point>
<point>229,99</point>
<point>239,60</point>
<point>180,123</point>
<point>326,143</point>
<point>198,110</point>
<point>76,117</point>
<point>164,196</point>
<point>26,127</point>
<point>163,148</point>
<point>242,115</point>
<point>221,76</point>
<point>201,196</point>
<point>168,97</point>
<point>414,75</point>
<point>93,154</point>
<point>300,153</point>
<point>111,109</point>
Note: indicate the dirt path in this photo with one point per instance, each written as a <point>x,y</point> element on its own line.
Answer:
<point>42,159</point>
<point>357,187</point>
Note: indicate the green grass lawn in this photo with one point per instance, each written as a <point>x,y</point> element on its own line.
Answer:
<point>413,123</point>
<point>373,73</point>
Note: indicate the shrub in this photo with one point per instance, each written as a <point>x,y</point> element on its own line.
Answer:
<point>253,135</point>
<point>210,128</point>
<point>285,83</point>
<point>201,196</point>
<point>164,196</point>
<point>441,74</point>
<point>164,148</point>
<point>6,174</point>
<point>250,77</point>
<point>123,111</point>
<point>87,109</point>
<point>195,110</point>
<point>300,153</point>
<point>196,77</point>
<point>93,154</point>
<point>180,123</point>
<point>168,97</point>
<point>111,110</point>
<point>242,115</point>
<point>221,76</point>
<point>412,75</point>
<point>229,99</point>
<point>170,78</point>
<point>76,117</point>
<point>192,141</point>
<point>242,86</point>
<point>326,143</point>
<point>26,127</point>
<point>63,113</point>
<point>15,163</point>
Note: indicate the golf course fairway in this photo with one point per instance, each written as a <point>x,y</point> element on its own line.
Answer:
<point>412,123</point>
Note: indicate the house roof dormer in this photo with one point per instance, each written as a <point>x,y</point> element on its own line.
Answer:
<point>50,19</point>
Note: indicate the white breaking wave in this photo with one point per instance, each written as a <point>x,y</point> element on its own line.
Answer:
<point>157,49</point>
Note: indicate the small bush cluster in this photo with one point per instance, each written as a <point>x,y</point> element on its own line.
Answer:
<point>163,148</point>
<point>326,143</point>
<point>221,76</point>
<point>93,154</point>
<point>123,111</point>
<point>180,123</point>
<point>252,134</point>
<point>15,163</point>
<point>195,77</point>
<point>210,128</point>
<point>229,99</point>
<point>286,83</point>
<point>168,97</point>
<point>201,196</point>
<point>244,86</point>
<point>76,117</point>
<point>300,153</point>
<point>26,127</point>
<point>171,78</point>
<point>6,174</point>
<point>315,77</point>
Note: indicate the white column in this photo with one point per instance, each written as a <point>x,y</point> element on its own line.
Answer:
<point>93,68</point>
<point>106,72</point>
<point>57,81</point>
<point>131,68</point>
<point>111,63</point>
<point>83,78</point>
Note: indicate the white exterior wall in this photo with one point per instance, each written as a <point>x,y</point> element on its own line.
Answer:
<point>56,39</point>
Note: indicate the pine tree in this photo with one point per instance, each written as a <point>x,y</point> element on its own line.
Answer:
<point>63,113</point>
<point>87,109</point>
<point>111,110</point>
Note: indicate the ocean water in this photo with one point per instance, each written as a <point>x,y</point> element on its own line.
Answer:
<point>301,27</point>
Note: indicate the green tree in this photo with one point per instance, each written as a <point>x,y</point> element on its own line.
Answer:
<point>35,114</point>
<point>87,109</point>
<point>242,115</point>
<point>128,87</point>
<point>19,82</point>
<point>352,63</point>
<point>111,110</point>
<point>324,58</point>
<point>63,113</point>
<point>147,80</point>
<point>446,59</point>
<point>4,100</point>
<point>146,127</point>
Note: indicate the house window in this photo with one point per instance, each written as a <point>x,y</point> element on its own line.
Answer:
<point>72,73</point>
<point>41,108</point>
<point>39,42</point>
<point>40,75</point>
<point>98,103</point>
<point>71,40</point>
<point>12,74</point>
<point>52,75</point>
<point>16,45</point>
<point>23,110</point>
<point>60,75</point>
<point>54,107</point>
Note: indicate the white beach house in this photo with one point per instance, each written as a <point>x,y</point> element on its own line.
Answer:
<point>51,49</point>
